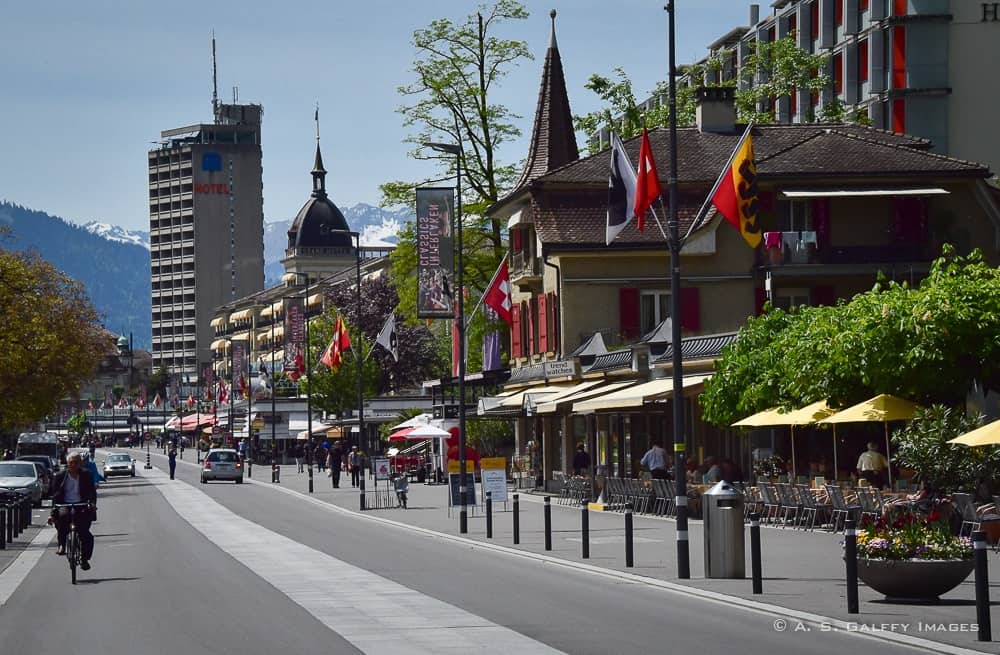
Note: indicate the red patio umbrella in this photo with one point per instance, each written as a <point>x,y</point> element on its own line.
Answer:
<point>401,435</point>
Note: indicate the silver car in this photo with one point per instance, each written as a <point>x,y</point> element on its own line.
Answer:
<point>119,464</point>
<point>222,464</point>
<point>21,477</point>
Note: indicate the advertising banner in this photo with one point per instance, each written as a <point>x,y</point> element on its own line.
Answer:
<point>240,355</point>
<point>435,252</point>
<point>295,337</point>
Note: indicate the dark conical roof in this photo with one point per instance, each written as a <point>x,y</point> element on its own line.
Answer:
<point>553,142</point>
<point>319,224</point>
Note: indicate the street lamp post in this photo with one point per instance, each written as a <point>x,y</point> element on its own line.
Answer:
<point>125,349</point>
<point>456,149</point>
<point>309,421</point>
<point>274,408</point>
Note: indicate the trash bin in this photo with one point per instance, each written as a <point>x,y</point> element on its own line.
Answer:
<point>722,509</point>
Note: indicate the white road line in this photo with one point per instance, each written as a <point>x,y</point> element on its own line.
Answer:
<point>375,614</point>
<point>12,576</point>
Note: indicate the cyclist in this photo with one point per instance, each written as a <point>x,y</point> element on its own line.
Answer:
<point>74,484</point>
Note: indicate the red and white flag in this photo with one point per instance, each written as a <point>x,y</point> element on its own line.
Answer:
<point>190,400</point>
<point>90,405</point>
<point>121,403</point>
<point>157,401</point>
<point>333,356</point>
<point>498,297</point>
<point>647,182</point>
<point>223,392</point>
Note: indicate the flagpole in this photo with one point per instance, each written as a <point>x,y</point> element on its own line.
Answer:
<point>725,169</point>
<point>480,301</point>
<point>680,442</point>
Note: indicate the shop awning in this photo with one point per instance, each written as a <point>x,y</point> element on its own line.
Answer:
<point>219,344</point>
<point>635,397</point>
<point>217,321</point>
<point>192,422</point>
<point>516,399</point>
<point>315,299</point>
<point>289,278</point>
<point>552,404</point>
<point>242,315</point>
<point>863,193</point>
<point>241,336</point>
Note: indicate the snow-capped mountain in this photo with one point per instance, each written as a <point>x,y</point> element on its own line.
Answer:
<point>117,233</point>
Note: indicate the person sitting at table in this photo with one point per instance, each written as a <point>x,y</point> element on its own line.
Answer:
<point>712,472</point>
<point>729,470</point>
<point>921,501</point>
<point>692,472</point>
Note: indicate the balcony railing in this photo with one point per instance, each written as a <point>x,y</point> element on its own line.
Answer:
<point>523,265</point>
<point>802,248</point>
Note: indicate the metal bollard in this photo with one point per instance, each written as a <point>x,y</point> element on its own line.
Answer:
<point>15,519</point>
<point>9,512</point>
<point>585,532</point>
<point>489,514</point>
<point>3,527</point>
<point>149,463</point>
<point>547,508</point>
<point>362,480</point>
<point>982,587</point>
<point>311,478</point>
<point>629,560</point>
<point>517,521</point>
<point>851,560</point>
<point>758,587</point>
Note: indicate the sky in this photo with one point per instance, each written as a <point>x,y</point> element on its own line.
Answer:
<point>86,87</point>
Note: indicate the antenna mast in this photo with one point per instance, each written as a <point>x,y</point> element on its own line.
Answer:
<point>215,84</point>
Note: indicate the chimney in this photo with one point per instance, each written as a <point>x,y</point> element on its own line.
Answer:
<point>716,109</point>
<point>754,14</point>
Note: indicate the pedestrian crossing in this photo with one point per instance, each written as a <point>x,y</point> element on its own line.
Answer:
<point>373,613</point>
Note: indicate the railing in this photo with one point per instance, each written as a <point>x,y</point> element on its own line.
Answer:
<point>523,265</point>
<point>797,248</point>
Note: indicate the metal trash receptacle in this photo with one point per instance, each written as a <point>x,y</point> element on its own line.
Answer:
<point>722,509</point>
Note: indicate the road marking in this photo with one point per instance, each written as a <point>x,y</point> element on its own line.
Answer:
<point>374,613</point>
<point>616,540</point>
<point>12,576</point>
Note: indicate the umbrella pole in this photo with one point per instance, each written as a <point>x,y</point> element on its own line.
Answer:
<point>793,456</point>
<point>836,471</point>
<point>888,459</point>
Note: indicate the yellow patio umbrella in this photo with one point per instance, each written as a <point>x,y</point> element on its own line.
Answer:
<point>987,435</point>
<point>770,417</point>
<point>813,413</point>
<point>882,408</point>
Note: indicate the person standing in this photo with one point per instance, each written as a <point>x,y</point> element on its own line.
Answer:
<point>320,455</point>
<point>872,465</point>
<point>581,461</point>
<point>655,460</point>
<point>172,460</point>
<point>299,456</point>
<point>336,461</point>
<point>354,463</point>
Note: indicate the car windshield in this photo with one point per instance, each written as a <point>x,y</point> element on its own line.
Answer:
<point>17,470</point>
<point>119,458</point>
<point>222,457</point>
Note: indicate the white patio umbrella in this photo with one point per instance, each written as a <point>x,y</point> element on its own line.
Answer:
<point>428,432</point>
<point>416,421</point>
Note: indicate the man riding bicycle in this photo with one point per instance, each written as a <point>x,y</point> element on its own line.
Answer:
<point>74,484</point>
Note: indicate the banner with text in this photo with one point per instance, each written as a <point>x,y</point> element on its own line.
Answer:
<point>238,348</point>
<point>295,337</point>
<point>435,252</point>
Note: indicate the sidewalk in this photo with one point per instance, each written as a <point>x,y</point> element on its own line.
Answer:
<point>803,571</point>
<point>20,543</point>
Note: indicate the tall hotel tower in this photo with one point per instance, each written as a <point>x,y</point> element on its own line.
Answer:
<point>206,222</point>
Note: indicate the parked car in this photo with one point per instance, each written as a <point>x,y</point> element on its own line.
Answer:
<point>22,477</point>
<point>47,473</point>
<point>119,464</point>
<point>222,464</point>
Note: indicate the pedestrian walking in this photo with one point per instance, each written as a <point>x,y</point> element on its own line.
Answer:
<point>335,463</point>
<point>172,460</point>
<point>320,456</point>
<point>299,455</point>
<point>355,462</point>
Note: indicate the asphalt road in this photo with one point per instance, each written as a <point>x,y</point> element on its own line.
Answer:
<point>160,586</point>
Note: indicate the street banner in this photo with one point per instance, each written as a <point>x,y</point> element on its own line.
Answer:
<point>382,468</point>
<point>295,337</point>
<point>435,252</point>
<point>454,487</point>
<point>240,354</point>
<point>495,482</point>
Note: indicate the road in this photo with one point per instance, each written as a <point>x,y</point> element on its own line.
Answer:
<point>181,567</point>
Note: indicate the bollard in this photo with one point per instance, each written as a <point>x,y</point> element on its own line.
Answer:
<point>547,508</point>
<point>250,466</point>
<point>629,561</point>
<point>982,587</point>
<point>8,512</point>
<point>755,553</point>
<point>15,519</point>
<point>362,481</point>
<point>585,532</point>
<point>851,560</point>
<point>517,521</point>
<point>489,514</point>
<point>311,478</point>
<point>3,527</point>
<point>149,463</point>
<point>27,511</point>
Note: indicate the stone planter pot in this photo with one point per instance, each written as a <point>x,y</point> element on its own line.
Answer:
<point>914,579</point>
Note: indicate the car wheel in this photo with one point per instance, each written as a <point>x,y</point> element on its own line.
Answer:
<point>239,480</point>
<point>203,481</point>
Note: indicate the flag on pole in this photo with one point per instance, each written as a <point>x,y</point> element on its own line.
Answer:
<point>121,402</point>
<point>647,182</point>
<point>243,386</point>
<point>190,400</point>
<point>223,392</point>
<point>621,190</point>
<point>142,394</point>
<point>90,405</point>
<point>333,356</point>
<point>497,296</point>
<point>157,401</point>
<point>387,336</point>
<point>735,193</point>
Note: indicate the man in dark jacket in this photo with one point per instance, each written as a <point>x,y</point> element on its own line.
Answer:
<point>74,484</point>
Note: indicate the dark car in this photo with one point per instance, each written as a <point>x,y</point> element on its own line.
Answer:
<point>45,472</point>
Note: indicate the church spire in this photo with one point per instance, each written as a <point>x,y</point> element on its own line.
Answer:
<point>318,172</point>
<point>553,142</point>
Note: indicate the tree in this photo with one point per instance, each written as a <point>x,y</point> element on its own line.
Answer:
<point>929,344</point>
<point>52,342</point>
<point>776,69</point>
<point>457,69</point>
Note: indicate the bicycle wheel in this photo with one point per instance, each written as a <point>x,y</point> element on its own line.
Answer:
<point>73,552</point>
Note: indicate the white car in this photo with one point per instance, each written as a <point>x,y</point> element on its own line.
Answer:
<point>21,477</point>
<point>119,464</point>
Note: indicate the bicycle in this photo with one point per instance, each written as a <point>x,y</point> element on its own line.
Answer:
<point>74,549</point>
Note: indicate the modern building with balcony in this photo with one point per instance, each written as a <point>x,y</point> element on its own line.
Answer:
<point>206,222</point>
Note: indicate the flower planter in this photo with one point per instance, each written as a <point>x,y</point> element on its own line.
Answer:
<point>914,579</point>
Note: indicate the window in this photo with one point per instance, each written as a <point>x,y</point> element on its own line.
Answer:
<point>794,216</point>
<point>787,298</point>
<point>654,307</point>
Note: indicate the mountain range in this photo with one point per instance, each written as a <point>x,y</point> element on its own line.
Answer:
<point>113,263</point>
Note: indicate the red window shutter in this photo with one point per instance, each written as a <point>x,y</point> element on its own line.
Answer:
<point>840,12</point>
<point>823,294</point>
<point>815,20</point>
<point>794,105</point>
<point>899,7</point>
<point>838,74</point>
<point>515,239</point>
<point>628,313</point>
<point>899,57</point>
<point>821,222</point>
<point>553,307</point>
<point>515,332</point>
<point>899,115</point>
<point>863,5</point>
<point>791,23</point>
<point>863,61</point>
<point>543,323</point>
<point>759,298</point>
<point>690,309</point>
<point>530,314</point>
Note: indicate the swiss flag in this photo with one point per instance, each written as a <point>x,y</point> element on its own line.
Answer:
<point>190,400</point>
<point>497,296</point>
<point>157,401</point>
<point>647,182</point>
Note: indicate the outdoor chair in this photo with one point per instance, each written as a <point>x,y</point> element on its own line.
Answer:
<point>661,497</point>
<point>789,503</point>
<point>770,501</point>
<point>866,499</point>
<point>671,508</point>
<point>967,510</point>
<point>615,493</point>
<point>562,485</point>
<point>752,502</point>
<point>807,506</point>
<point>840,510</point>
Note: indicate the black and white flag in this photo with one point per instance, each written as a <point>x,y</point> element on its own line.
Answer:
<point>387,337</point>
<point>621,190</point>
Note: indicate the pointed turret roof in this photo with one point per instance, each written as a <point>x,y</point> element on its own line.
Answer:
<point>319,174</point>
<point>553,142</point>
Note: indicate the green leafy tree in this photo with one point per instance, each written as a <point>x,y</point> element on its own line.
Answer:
<point>452,100</point>
<point>77,424</point>
<point>776,69</point>
<point>52,344</point>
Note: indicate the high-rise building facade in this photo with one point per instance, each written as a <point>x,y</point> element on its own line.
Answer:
<point>206,221</point>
